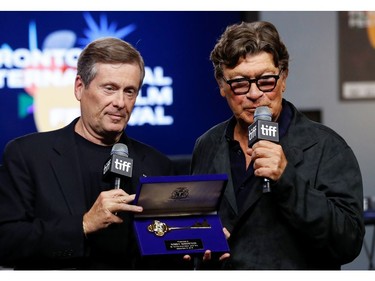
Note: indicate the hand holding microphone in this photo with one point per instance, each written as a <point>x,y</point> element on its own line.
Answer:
<point>268,157</point>
<point>118,166</point>
<point>104,211</point>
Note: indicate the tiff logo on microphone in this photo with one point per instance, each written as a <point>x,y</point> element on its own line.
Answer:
<point>267,130</point>
<point>122,165</point>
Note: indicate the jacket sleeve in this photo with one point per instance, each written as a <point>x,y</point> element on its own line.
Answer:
<point>29,227</point>
<point>322,197</point>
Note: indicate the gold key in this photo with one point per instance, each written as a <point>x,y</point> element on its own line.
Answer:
<point>160,228</point>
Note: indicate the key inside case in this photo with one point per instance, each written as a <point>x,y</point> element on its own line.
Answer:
<point>183,202</point>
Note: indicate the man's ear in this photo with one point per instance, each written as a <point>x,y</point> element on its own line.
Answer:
<point>78,87</point>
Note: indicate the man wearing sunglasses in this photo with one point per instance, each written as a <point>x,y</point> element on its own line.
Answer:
<point>311,217</point>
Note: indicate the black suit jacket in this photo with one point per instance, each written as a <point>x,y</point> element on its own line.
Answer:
<point>42,202</point>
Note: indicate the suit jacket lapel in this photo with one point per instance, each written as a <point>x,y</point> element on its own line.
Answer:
<point>65,164</point>
<point>222,165</point>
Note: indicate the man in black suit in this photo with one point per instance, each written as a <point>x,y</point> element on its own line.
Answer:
<point>56,212</point>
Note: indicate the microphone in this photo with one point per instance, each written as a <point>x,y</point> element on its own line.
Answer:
<point>118,165</point>
<point>263,129</point>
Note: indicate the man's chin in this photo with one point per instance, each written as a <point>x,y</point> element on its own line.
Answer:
<point>114,129</point>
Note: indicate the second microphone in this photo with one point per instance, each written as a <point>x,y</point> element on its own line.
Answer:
<point>263,129</point>
<point>118,165</point>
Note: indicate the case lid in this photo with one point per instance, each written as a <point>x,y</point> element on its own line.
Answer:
<point>180,195</point>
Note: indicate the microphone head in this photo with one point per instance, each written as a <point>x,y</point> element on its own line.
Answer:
<point>119,164</point>
<point>120,149</point>
<point>263,113</point>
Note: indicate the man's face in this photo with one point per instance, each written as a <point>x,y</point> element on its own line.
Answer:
<point>251,67</point>
<point>107,102</point>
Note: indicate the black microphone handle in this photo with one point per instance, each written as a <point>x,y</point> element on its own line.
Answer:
<point>117,186</point>
<point>266,185</point>
<point>117,182</point>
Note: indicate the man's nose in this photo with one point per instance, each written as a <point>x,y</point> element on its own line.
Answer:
<point>254,93</point>
<point>119,99</point>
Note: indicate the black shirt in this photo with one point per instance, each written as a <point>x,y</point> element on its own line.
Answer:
<point>92,158</point>
<point>115,246</point>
